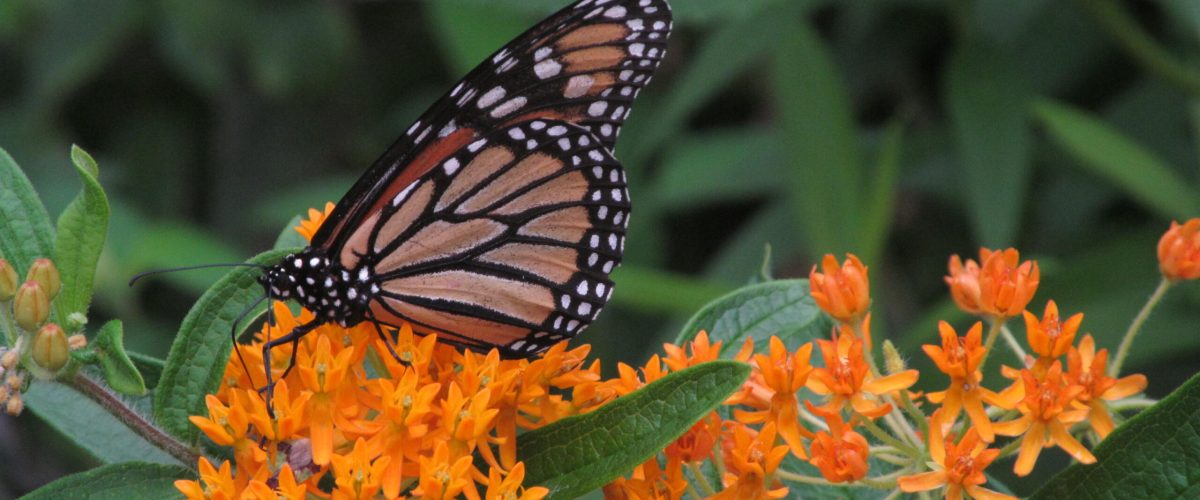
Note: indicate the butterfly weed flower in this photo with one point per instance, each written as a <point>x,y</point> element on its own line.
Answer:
<point>1087,369</point>
<point>959,358</point>
<point>1179,251</point>
<point>1049,409</point>
<point>840,453</point>
<point>842,291</point>
<point>958,466</point>
<point>358,474</point>
<point>998,286</point>
<point>783,374</point>
<point>847,379</point>
<point>1050,337</point>
<point>752,459</point>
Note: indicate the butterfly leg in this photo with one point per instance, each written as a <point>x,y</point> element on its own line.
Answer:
<point>386,340</point>
<point>293,337</point>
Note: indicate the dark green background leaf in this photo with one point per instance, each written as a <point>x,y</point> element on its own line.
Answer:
<point>25,233</point>
<point>578,454</point>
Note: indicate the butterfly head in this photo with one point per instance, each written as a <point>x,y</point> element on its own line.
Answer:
<point>322,286</point>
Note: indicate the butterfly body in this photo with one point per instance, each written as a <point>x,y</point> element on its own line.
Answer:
<point>495,219</point>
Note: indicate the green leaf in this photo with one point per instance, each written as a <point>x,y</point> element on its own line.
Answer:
<point>820,139</point>
<point>117,482</point>
<point>198,355</point>
<point>82,228</point>
<point>988,100</point>
<point>1116,158</point>
<point>119,370</point>
<point>783,308</point>
<point>149,366</point>
<point>25,233</point>
<point>90,426</point>
<point>289,238</point>
<point>1153,455</point>
<point>578,454</point>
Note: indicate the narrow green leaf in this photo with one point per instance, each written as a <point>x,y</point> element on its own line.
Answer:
<point>727,53</point>
<point>652,290</point>
<point>988,99</point>
<point>119,370</point>
<point>289,238</point>
<point>1153,455</point>
<point>820,139</point>
<point>25,233</point>
<point>877,218</point>
<point>198,355</point>
<point>728,165</point>
<point>783,308</point>
<point>578,454</point>
<point>82,228</point>
<point>90,426</point>
<point>117,482</point>
<point>1119,160</point>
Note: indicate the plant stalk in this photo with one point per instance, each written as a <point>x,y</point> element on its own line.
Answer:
<point>136,421</point>
<point>1114,369</point>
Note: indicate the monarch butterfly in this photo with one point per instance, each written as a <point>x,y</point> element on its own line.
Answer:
<point>496,219</point>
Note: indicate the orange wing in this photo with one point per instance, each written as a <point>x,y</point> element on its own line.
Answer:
<point>507,242</point>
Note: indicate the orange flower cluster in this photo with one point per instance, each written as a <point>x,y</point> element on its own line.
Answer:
<point>1179,251</point>
<point>998,286</point>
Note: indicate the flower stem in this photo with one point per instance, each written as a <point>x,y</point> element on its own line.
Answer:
<point>704,484</point>
<point>1009,448</point>
<point>994,327</point>
<point>1142,47</point>
<point>906,402</point>
<point>138,423</point>
<point>1012,343</point>
<point>884,436</point>
<point>1133,404</point>
<point>1123,351</point>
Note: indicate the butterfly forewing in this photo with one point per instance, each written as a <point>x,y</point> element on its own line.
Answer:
<point>507,242</point>
<point>582,65</point>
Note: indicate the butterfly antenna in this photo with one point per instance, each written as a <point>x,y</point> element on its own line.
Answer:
<point>154,272</point>
<point>233,335</point>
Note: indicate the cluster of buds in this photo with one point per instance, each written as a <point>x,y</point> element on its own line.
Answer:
<point>44,346</point>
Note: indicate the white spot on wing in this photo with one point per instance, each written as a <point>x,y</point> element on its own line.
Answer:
<point>508,107</point>
<point>490,97</point>
<point>597,108</point>
<point>451,166</point>
<point>578,85</point>
<point>547,68</point>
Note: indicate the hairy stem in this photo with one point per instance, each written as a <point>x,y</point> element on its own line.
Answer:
<point>136,421</point>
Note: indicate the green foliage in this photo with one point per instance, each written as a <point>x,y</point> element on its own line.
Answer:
<point>578,454</point>
<point>1153,455</point>
<point>117,482</point>
<point>197,359</point>
<point>91,427</point>
<point>781,308</point>
<point>82,228</point>
<point>119,371</point>
<point>25,234</point>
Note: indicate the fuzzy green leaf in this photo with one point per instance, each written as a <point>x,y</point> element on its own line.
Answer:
<point>578,454</point>
<point>783,308</point>
<point>118,482</point>
<point>25,233</point>
<point>82,228</point>
<point>90,426</point>
<point>201,349</point>
<point>1154,455</point>
<point>289,238</point>
<point>119,370</point>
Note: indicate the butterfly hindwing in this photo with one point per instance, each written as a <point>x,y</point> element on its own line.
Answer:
<point>583,65</point>
<point>507,241</point>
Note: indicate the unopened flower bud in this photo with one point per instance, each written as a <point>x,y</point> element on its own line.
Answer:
<point>9,359</point>
<point>4,392</point>
<point>8,281</point>
<point>892,362</point>
<point>77,341</point>
<point>44,272</point>
<point>50,348</point>
<point>31,306</point>
<point>14,405</point>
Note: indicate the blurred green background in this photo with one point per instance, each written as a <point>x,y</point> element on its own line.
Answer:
<point>901,130</point>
